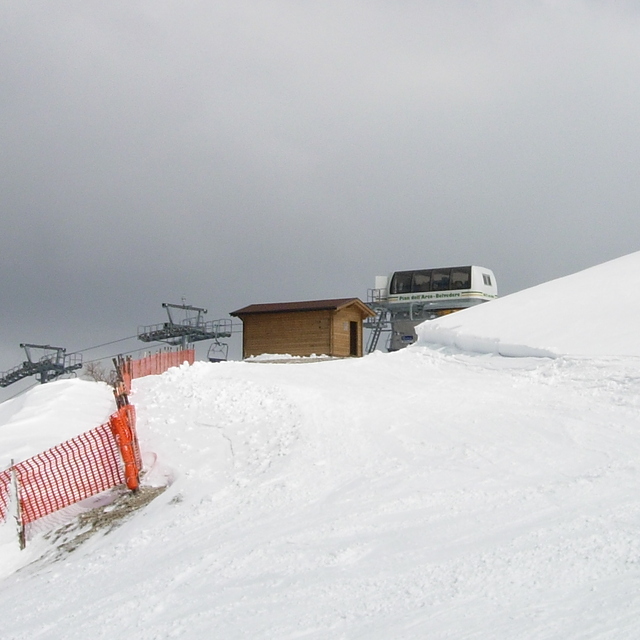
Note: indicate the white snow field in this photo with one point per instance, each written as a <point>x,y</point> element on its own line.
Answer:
<point>431,493</point>
<point>593,312</point>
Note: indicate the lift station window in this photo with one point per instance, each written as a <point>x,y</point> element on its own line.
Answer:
<point>401,282</point>
<point>421,281</point>
<point>461,278</point>
<point>440,279</point>
<point>431,280</point>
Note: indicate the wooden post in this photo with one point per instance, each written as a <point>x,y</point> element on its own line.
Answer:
<point>17,511</point>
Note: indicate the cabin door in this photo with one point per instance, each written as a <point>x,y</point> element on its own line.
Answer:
<point>353,339</point>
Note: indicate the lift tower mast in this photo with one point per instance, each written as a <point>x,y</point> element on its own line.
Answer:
<point>54,363</point>
<point>192,329</point>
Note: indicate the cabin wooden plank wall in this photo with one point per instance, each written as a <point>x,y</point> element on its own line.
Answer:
<point>299,333</point>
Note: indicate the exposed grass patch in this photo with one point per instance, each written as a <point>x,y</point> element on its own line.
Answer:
<point>101,519</point>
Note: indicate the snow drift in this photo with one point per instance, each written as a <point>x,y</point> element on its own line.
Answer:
<point>588,314</point>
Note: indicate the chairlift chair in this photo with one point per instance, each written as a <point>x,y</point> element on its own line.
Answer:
<point>218,352</point>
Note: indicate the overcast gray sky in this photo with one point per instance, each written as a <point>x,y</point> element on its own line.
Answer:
<point>243,151</point>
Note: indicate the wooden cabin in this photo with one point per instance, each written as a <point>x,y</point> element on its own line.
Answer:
<point>320,327</point>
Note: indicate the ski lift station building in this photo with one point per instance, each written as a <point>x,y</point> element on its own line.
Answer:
<point>320,327</point>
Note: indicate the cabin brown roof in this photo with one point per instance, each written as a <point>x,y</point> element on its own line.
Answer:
<point>308,305</point>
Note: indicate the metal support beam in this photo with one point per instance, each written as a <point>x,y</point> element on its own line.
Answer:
<point>192,328</point>
<point>54,363</point>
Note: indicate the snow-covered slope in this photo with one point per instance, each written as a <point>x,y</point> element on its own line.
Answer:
<point>50,414</point>
<point>428,493</point>
<point>588,313</point>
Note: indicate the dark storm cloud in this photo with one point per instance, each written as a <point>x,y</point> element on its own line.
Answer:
<point>240,152</point>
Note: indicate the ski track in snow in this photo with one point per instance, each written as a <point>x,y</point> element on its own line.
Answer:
<point>426,493</point>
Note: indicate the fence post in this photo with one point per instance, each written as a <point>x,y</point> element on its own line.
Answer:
<point>14,499</point>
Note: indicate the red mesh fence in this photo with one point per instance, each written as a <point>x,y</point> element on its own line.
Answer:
<point>157,363</point>
<point>151,365</point>
<point>76,469</point>
<point>72,471</point>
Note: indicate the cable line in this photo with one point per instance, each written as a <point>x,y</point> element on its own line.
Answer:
<point>104,344</point>
<point>120,353</point>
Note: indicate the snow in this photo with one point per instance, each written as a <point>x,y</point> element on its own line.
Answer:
<point>437,492</point>
<point>589,313</point>
<point>50,414</point>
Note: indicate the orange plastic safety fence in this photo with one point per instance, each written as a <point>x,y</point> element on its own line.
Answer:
<point>124,433</point>
<point>72,471</point>
<point>88,464</point>
<point>130,412</point>
<point>158,363</point>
